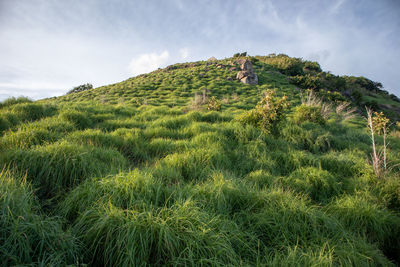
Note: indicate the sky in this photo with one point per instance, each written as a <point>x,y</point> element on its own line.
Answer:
<point>47,47</point>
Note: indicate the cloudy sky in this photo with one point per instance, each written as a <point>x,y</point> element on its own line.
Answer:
<point>48,46</point>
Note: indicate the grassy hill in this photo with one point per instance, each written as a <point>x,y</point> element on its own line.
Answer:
<point>185,166</point>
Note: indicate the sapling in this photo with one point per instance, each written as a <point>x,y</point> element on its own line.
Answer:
<point>378,124</point>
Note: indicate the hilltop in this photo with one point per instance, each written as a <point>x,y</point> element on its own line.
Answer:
<point>174,84</point>
<point>243,161</point>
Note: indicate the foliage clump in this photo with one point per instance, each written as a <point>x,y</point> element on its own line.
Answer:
<point>378,124</point>
<point>305,113</point>
<point>306,81</point>
<point>285,64</point>
<point>80,88</point>
<point>243,54</point>
<point>214,104</point>
<point>12,101</point>
<point>269,112</point>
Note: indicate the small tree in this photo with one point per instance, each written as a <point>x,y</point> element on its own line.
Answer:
<point>378,124</point>
<point>269,112</point>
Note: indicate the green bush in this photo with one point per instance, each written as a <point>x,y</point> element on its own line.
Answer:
<point>269,112</point>
<point>306,81</point>
<point>80,88</point>
<point>287,65</point>
<point>309,113</point>
<point>214,104</point>
<point>312,66</point>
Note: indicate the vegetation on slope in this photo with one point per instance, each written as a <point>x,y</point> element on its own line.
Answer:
<point>147,172</point>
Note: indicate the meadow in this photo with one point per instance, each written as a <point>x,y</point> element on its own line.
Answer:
<point>146,173</point>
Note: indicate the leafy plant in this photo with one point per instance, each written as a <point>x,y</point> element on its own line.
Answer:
<point>269,112</point>
<point>378,124</point>
<point>80,88</point>
<point>214,104</point>
<point>310,113</point>
<point>306,81</point>
<point>312,109</point>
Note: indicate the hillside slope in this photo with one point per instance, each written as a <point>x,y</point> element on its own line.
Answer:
<point>185,166</point>
<point>173,85</point>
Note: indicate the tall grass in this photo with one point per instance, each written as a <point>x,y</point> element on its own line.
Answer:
<point>14,100</point>
<point>15,114</point>
<point>28,237</point>
<point>56,167</point>
<point>126,175</point>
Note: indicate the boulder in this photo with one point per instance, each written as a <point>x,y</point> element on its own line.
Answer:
<point>212,59</point>
<point>247,74</point>
<point>247,66</point>
<point>241,74</point>
<point>240,61</point>
<point>251,79</point>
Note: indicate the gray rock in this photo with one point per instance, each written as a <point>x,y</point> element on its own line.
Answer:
<point>241,74</point>
<point>246,66</point>
<point>247,74</point>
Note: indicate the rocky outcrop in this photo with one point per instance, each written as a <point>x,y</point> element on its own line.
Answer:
<point>247,74</point>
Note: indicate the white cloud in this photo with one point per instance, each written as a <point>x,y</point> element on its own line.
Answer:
<point>184,52</point>
<point>32,89</point>
<point>148,62</point>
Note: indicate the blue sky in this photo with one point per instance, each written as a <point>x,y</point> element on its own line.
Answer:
<point>48,47</point>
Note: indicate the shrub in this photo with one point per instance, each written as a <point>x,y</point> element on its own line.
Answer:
<point>269,112</point>
<point>306,81</point>
<point>312,66</point>
<point>214,104</point>
<point>80,88</point>
<point>286,65</point>
<point>305,113</point>
<point>357,96</point>
<point>378,124</point>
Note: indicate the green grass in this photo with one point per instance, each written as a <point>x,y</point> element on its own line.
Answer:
<point>57,167</point>
<point>27,236</point>
<point>135,174</point>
